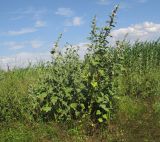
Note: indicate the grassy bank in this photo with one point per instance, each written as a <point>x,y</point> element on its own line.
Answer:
<point>136,116</point>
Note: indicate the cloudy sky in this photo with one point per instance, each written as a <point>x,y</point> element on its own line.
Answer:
<point>28,28</point>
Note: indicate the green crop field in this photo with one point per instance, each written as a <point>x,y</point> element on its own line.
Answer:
<point>111,95</point>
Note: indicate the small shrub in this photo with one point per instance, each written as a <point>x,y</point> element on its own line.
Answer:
<point>74,89</point>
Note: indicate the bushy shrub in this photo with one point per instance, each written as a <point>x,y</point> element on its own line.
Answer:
<point>75,88</point>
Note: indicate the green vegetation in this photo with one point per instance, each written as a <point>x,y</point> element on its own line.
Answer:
<point>111,95</point>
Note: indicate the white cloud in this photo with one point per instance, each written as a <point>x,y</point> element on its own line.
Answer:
<point>23,59</point>
<point>36,44</point>
<point>25,44</point>
<point>14,45</point>
<point>21,31</point>
<point>82,48</point>
<point>104,2</point>
<point>144,31</point>
<point>40,23</point>
<point>75,21</point>
<point>30,11</point>
<point>64,12</point>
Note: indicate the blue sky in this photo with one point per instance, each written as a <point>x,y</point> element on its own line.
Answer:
<point>28,28</point>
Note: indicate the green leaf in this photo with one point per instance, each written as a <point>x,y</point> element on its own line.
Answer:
<point>54,100</point>
<point>82,106</point>
<point>77,113</point>
<point>123,69</point>
<point>105,116</point>
<point>100,99</point>
<point>103,106</point>
<point>100,120</point>
<point>98,112</point>
<point>68,90</point>
<point>101,72</point>
<point>46,108</point>
<point>94,84</point>
<point>42,96</point>
<point>50,90</point>
<point>94,63</point>
<point>73,105</point>
<point>78,90</point>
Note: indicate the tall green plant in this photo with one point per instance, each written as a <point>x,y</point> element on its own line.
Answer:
<point>75,88</point>
<point>100,71</point>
